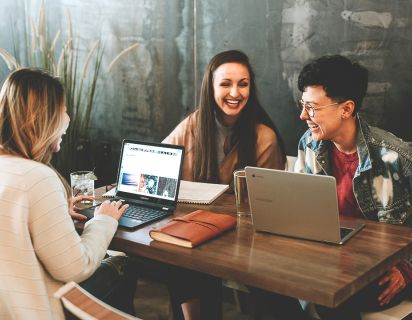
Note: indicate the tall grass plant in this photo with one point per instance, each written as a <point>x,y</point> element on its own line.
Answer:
<point>59,55</point>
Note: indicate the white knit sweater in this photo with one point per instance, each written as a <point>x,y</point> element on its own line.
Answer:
<point>39,246</point>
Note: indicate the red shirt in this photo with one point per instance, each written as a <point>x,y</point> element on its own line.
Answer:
<point>343,169</point>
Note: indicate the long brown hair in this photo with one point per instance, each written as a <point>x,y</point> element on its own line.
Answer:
<point>32,107</point>
<point>205,166</point>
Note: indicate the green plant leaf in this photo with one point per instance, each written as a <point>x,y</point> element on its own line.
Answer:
<point>79,79</point>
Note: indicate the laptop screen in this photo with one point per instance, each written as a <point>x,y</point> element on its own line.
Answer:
<point>149,171</point>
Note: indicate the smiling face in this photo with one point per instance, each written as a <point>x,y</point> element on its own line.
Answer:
<point>327,123</point>
<point>231,87</point>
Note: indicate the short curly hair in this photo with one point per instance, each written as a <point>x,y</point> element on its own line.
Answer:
<point>341,78</point>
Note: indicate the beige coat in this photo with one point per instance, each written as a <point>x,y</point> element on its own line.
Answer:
<point>39,246</point>
<point>267,154</point>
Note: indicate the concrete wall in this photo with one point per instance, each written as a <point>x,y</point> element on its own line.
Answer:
<point>152,88</point>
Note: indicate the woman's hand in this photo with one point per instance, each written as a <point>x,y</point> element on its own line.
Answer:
<point>395,283</point>
<point>73,208</point>
<point>113,209</point>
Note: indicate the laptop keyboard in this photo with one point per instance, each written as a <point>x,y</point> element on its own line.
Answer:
<point>144,214</point>
<point>344,232</point>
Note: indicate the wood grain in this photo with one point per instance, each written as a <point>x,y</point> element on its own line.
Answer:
<point>317,272</point>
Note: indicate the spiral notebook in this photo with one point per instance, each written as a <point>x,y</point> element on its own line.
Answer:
<point>192,192</point>
<point>199,192</point>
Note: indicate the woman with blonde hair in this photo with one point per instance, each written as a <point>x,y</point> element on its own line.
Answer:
<point>39,246</point>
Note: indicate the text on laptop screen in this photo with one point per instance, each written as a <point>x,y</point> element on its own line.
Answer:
<point>149,170</point>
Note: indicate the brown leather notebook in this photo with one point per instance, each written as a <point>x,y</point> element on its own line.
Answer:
<point>194,228</point>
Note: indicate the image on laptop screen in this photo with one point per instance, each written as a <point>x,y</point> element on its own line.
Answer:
<point>149,170</point>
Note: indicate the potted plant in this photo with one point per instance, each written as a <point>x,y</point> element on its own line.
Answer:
<point>79,78</point>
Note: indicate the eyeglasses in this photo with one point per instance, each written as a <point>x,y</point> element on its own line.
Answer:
<point>310,108</point>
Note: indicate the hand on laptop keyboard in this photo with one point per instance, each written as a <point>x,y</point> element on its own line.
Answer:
<point>113,209</point>
<point>144,214</point>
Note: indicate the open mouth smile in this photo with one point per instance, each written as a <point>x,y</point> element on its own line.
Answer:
<point>313,126</point>
<point>232,102</point>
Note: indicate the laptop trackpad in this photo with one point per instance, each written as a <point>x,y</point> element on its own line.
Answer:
<point>129,222</point>
<point>344,232</point>
<point>348,229</point>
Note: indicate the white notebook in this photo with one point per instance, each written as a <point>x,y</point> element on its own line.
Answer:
<point>192,192</point>
<point>110,194</point>
<point>199,192</point>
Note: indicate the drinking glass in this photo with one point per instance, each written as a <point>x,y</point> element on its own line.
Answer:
<point>82,184</point>
<point>241,195</point>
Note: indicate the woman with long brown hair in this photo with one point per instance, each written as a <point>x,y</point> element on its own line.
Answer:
<point>39,246</point>
<point>230,129</point>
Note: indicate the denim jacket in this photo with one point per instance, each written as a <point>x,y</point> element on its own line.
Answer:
<point>382,184</point>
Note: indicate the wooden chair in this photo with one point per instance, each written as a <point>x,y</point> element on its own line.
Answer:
<point>79,304</point>
<point>239,290</point>
<point>290,163</point>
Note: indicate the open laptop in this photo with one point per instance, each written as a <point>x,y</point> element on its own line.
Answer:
<point>148,180</point>
<point>297,205</point>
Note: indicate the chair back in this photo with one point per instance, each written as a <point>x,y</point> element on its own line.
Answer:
<point>79,304</point>
<point>290,163</point>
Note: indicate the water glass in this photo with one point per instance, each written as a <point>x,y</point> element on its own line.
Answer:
<point>82,184</point>
<point>241,195</point>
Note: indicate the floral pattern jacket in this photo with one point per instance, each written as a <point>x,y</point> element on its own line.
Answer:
<point>382,184</point>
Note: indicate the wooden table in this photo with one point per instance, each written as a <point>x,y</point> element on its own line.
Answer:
<point>321,273</point>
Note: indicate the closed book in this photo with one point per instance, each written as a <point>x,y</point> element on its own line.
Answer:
<point>194,228</point>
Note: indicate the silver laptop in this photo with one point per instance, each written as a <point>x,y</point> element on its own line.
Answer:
<point>297,205</point>
<point>148,180</point>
